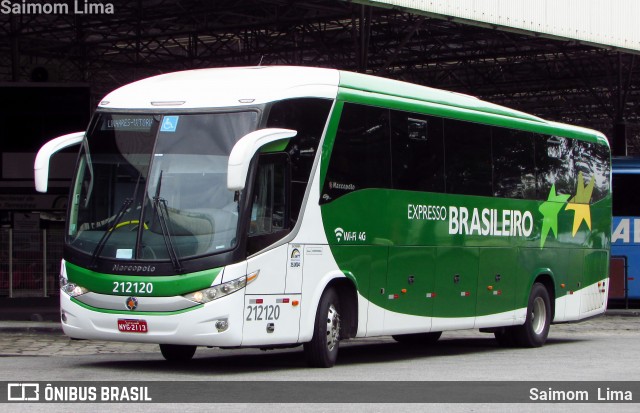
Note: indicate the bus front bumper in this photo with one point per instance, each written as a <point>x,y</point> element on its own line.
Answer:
<point>217,323</point>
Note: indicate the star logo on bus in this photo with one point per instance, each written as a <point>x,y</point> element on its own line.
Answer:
<point>580,204</point>
<point>550,209</point>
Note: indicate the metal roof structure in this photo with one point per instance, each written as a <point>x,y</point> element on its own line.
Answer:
<point>604,23</point>
<point>564,80</point>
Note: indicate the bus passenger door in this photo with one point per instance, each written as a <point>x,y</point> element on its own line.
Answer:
<point>456,283</point>
<point>496,287</point>
<point>409,291</point>
<point>269,314</point>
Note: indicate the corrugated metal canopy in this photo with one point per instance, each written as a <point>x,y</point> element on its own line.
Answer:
<point>570,81</point>
<point>611,24</point>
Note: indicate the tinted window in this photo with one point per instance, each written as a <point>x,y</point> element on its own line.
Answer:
<point>514,172</point>
<point>467,158</point>
<point>626,196</point>
<point>268,211</point>
<point>592,161</point>
<point>417,152</point>
<point>308,117</point>
<point>554,164</point>
<point>360,157</point>
<point>269,220</point>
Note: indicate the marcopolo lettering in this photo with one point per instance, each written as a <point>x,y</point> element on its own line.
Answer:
<point>339,185</point>
<point>133,268</point>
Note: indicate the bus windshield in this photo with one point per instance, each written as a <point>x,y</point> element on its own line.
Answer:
<point>153,187</point>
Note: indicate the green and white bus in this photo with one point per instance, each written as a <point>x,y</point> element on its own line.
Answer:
<point>279,206</point>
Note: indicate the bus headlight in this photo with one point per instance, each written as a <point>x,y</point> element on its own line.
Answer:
<point>70,288</point>
<point>213,293</point>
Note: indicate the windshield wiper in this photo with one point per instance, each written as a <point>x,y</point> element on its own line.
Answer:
<point>162,212</point>
<point>105,236</point>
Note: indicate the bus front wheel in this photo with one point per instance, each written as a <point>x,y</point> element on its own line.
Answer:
<point>534,331</point>
<point>322,350</point>
<point>175,352</point>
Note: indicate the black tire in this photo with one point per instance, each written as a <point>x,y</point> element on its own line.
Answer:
<point>534,331</point>
<point>419,338</point>
<point>322,350</point>
<point>176,352</point>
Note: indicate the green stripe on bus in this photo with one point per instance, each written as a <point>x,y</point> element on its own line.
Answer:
<point>453,112</point>
<point>162,286</point>
<point>418,267</point>
<point>276,146</point>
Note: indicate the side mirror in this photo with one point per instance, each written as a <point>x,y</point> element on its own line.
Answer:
<point>41,164</point>
<point>245,148</point>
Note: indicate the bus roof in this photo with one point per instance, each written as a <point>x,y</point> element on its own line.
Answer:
<point>405,90</point>
<point>245,86</point>
<point>224,87</point>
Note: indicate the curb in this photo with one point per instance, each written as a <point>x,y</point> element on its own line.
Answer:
<point>30,327</point>
<point>622,313</point>
<point>54,327</point>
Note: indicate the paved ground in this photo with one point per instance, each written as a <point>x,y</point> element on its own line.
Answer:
<point>617,333</point>
<point>46,338</point>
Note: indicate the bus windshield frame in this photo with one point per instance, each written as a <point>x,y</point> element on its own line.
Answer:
<point>153,187</point>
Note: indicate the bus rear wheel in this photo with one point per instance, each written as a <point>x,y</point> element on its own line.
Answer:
<point>176,352</point>
<point>534,331</point>
<point>419,338</point>
<point>322,350</point>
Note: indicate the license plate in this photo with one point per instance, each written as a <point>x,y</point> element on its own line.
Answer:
<point>132,326</point>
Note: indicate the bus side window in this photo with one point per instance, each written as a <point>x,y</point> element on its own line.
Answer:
<point>269,218</point>
<point>417,152</point>
<point>627,196</point>
<point>308,117</point>
<point>467,158</point>
<point>593,161</point>
<point>514,169</point>
<point>554,165</point>
<point>360,157</point>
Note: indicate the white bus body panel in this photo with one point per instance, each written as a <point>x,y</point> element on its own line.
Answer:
<point>584,303</point>
<point>273,271</point>
<point>295,265</point>
<point>271,319</point>
<point>196,327</point>
<point>268,319</point>
<point>224,87</point>
<point>320,268</point>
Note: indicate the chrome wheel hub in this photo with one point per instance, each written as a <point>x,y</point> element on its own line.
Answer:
<point>333,327</point>
<point>538,315</point>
